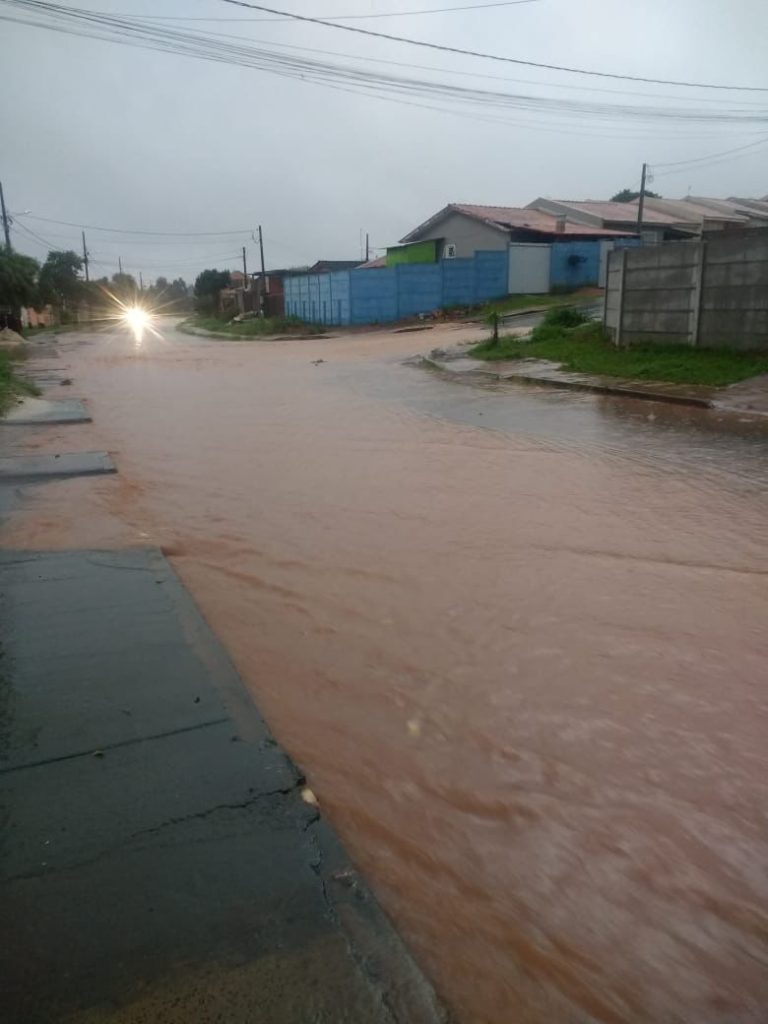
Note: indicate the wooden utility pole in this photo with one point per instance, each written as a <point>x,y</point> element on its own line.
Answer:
<point>641,200</point>
<point>85,258</point>
<point>6,221</point>
<point>261,250</point>
<point>263,305</point>
<point>245,272</point>
<point>120,263</point>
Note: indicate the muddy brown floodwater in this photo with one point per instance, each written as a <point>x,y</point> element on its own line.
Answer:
<point>525,675</point>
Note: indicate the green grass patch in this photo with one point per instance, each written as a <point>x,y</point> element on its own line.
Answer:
<point>11,385</point>
<point>514,302</point>
<point>585,348</point>
<point>260,327</point>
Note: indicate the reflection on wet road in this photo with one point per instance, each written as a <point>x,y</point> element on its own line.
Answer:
<point>516,639</point>
<point>684,438</point>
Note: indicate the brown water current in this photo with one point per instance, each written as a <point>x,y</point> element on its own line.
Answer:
<point>524,668</point>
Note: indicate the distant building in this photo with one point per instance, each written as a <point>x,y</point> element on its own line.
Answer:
<point>663,219</point>
<point>461,230</point>
<point>332,266</point>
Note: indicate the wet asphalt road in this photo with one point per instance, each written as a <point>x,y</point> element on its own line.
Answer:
<point>515,639</point>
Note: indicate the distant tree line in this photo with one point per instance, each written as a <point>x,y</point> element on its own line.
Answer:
<point>628,196</point>
<point>208,287</point>
<point>59,282</point>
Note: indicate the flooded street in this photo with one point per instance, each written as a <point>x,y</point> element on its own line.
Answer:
<point>516,639</point>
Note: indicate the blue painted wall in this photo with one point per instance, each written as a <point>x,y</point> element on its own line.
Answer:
<point>574,264</point>
<point>491,274</point>
<point>319,298</point>
<point>419,288</point>
<point>386,295</point>
<point>373,296</point>
<point>458,282</point>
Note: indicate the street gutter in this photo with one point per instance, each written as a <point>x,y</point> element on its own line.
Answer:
<point>555,377</point>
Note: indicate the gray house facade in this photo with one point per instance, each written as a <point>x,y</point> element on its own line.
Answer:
<point>462,229</point>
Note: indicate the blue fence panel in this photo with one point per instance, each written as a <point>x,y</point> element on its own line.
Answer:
<point>419,288</point>
<point>458,282</point>
<point>339,290</point>
<point>574,264</point>
<point>319,298</point>
<point>491,274</point>
<point>373,295</point>
<point>292,287</point>
<point>385,295</point>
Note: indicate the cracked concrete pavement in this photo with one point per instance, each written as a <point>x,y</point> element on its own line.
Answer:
<point>158,860</point>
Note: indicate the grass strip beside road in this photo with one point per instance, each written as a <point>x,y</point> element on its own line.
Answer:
<point>259,327</point>
<point>513,303</point>
<point>11,385</point>
<point>587,349</point>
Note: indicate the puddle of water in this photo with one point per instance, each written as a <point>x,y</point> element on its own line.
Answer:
<point>521,666</point>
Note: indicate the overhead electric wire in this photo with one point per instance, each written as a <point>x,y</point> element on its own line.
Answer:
<point>38,238</point>
<point>339,17</point>
<point>106,27</point>
<point>696,167</point>
<point>132,231</point>
<point>229,257</point>
<point>570,86</point>
<point>556,128</point>
<point>95,255</point>
<point>712,156</point>
<point>490,56</point>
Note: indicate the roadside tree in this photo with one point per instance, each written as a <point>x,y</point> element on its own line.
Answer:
<point>208,285</point>
<point>18,280</point>
<point>60,282</point>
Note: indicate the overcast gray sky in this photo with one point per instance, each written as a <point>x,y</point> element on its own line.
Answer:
<point>101,134</point>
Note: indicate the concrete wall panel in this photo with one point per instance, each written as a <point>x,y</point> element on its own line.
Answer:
<point>654,322</point>
<point>661,301</point>
<point>736,274</point>
<point>642,278</point>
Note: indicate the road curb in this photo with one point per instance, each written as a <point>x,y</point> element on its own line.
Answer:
<point>216,335</point>
<point>616,390</point>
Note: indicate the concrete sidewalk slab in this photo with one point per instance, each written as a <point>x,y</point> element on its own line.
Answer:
<point>47,467</point>
<point>159,862</point>
<point>33,411</point>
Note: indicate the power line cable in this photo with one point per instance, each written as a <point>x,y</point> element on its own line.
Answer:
<point>725,152</point>
<point>150,264</point>
<point>496,78</point>
<point>338,17</point>
<point>131,231</point>
<point>159,265</point>
<point>490,56</point>
<point>38,238</point>
<point>106,27</point>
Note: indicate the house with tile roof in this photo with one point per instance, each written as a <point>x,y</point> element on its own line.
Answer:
<point>463,229</point>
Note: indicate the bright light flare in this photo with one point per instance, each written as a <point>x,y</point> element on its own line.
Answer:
<point>139,321</point>
<point>137,318</point>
